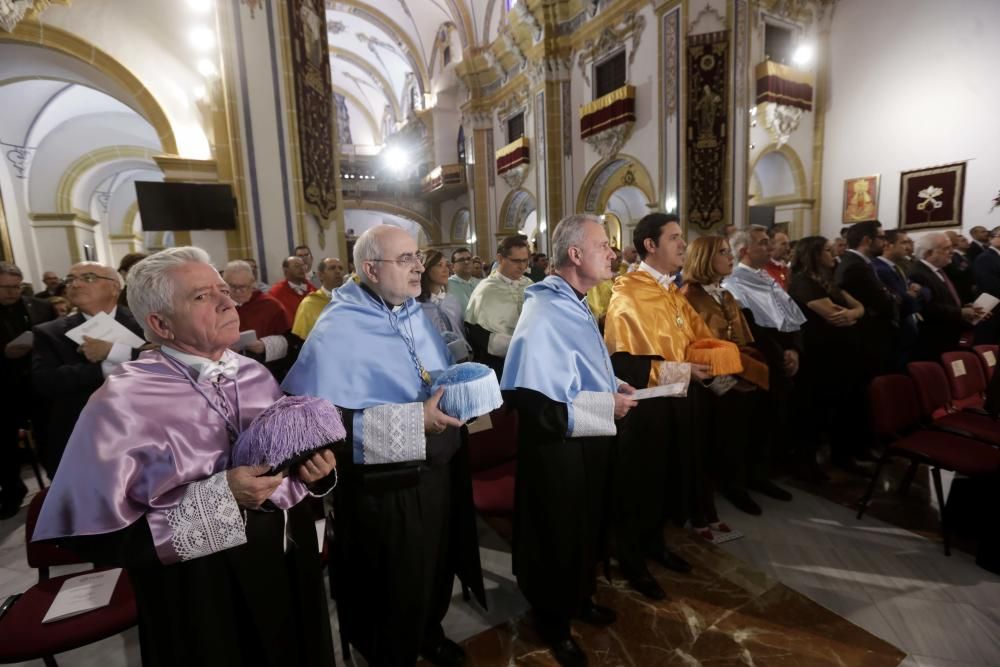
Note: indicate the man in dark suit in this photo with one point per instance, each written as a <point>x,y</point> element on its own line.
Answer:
<point>959,270</point>
<point>987,271</point>
<point>855,274</point>
<point>980,242</point>
<point>945,318</point>
<point>53,286</point>
<point>908,295</point>
<point>67,373</point>
<point>17,315</point>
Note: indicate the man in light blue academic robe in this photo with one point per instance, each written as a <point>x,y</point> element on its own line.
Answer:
<point>559,378</point>
<point>405,522</point>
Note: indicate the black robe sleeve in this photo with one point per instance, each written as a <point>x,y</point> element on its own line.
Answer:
<point>632,369</point>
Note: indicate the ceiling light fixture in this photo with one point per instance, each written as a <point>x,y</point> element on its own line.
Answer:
<point>803,55</point>
<point>202,38</point>
<point>206,68</point>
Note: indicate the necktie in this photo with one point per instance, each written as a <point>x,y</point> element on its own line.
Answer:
<point>951,288</point>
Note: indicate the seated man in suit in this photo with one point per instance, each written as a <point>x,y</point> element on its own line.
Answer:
<point>856,275</point>
<point>908,295</point>
<point>66,373</point>
<point>945,317</point>
<point>987,269</point>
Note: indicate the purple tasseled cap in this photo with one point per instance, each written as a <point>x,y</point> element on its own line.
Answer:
<point>292,426</point>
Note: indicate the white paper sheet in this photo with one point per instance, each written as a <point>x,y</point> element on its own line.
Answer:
<point>987,302</point>
<point>81,594</point>
<point>673,389</point>
<point>320,533</point>
<point>104,327</point>
<point>25,338</point>
<point>246,338</point>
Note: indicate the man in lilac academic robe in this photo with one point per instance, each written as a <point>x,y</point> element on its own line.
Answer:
<point>224,562</point>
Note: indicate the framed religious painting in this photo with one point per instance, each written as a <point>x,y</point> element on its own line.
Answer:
<point>860,199</point>
<point>932,197</point>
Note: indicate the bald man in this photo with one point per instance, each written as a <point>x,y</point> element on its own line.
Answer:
<point>66,373</point>
<point>53,286</point>
<point>331,276</point>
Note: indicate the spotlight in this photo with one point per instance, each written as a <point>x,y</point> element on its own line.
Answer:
<point>206,68</point>
<point>803,55</point>
<point>202,38</point>
<point>395,159</point>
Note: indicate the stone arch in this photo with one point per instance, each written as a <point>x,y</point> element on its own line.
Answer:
<point>609,175</point>
<point>800,197</point>
<point>83,164</point>
<point>515,210</point>
<point>142,100</point>
<point>432,230</point>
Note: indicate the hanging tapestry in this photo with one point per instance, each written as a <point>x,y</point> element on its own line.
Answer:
<point>932,197</point>
<point>708,101</point>
<point>314,106</point>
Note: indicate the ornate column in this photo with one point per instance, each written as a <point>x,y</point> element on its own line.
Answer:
<point>550,100</point>
<point>480,178</point>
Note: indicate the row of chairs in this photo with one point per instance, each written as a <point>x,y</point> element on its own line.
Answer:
<point>935,416</point>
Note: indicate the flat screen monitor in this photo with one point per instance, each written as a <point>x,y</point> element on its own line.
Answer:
<point>760,216</point>
<point>167,207</point>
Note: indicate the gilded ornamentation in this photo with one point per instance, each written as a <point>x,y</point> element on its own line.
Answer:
<point>608,142</point>
<point>671,48</point>
<point>611,38</point>
<point>782,120</point>
<point>13,11</point>
<point>313,102</point>
<point>514,178</point>
<point>514,49</point>
<point>521,11</point>
<point>707,10</point>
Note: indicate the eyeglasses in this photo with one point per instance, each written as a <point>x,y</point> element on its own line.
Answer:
<point>462,261</point>
<point>413,260</point>
<point>88,278</point>
<point>239,288</point>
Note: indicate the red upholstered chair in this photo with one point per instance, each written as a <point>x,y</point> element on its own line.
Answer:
<point>966,377</point>
<point>988,355</point>
<point>24,635</point>
<point>493,461</point>
<point>938,411</point>
<point>896,420</point>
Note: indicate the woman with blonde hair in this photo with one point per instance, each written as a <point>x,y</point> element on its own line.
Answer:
<point>740,440</point>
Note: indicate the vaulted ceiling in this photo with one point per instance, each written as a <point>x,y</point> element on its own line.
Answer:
<point>386,55</point>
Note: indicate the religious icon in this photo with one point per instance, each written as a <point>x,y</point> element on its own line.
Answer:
<point>932,197</point>
<point>860,199</point>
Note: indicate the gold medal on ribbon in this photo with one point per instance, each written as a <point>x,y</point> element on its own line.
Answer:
<point>425,376</point>
<point>680,321</point>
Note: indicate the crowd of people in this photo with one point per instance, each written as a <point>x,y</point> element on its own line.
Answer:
<point>750,350</point>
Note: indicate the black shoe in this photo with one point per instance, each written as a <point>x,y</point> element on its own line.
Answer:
<point>672,561</point>
<point>742,501</point>
<point>771,490</point>
<point>648,586</point>
<point>445,654</point>
<point>568,653</point>
<point>595,614</point>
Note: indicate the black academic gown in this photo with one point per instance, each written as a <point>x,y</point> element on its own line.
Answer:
<point>220,609</point>
<point>659,466</point>
<point>559,509</point>
<point>403,532</point>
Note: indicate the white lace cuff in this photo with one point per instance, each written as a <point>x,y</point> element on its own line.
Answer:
<point>275,347</point>
<point>592,413</point>
<point>391,433</point>
<point>498,344</point>
<point>206,521</point>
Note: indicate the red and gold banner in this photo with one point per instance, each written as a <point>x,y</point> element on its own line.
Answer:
<point>784,85</point>
<point>707,127</point>
<point>314,105</point>
<point>613,109</point>
<point>513,155</point>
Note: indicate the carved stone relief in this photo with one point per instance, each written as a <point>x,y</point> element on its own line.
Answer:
<point>611,38</point>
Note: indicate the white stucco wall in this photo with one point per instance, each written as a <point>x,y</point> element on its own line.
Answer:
<point>913,84</point>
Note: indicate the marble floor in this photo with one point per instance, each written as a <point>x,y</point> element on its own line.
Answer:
<point>753,599</point>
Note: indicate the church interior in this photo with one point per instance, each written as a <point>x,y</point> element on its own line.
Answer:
<point>467,122</point>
